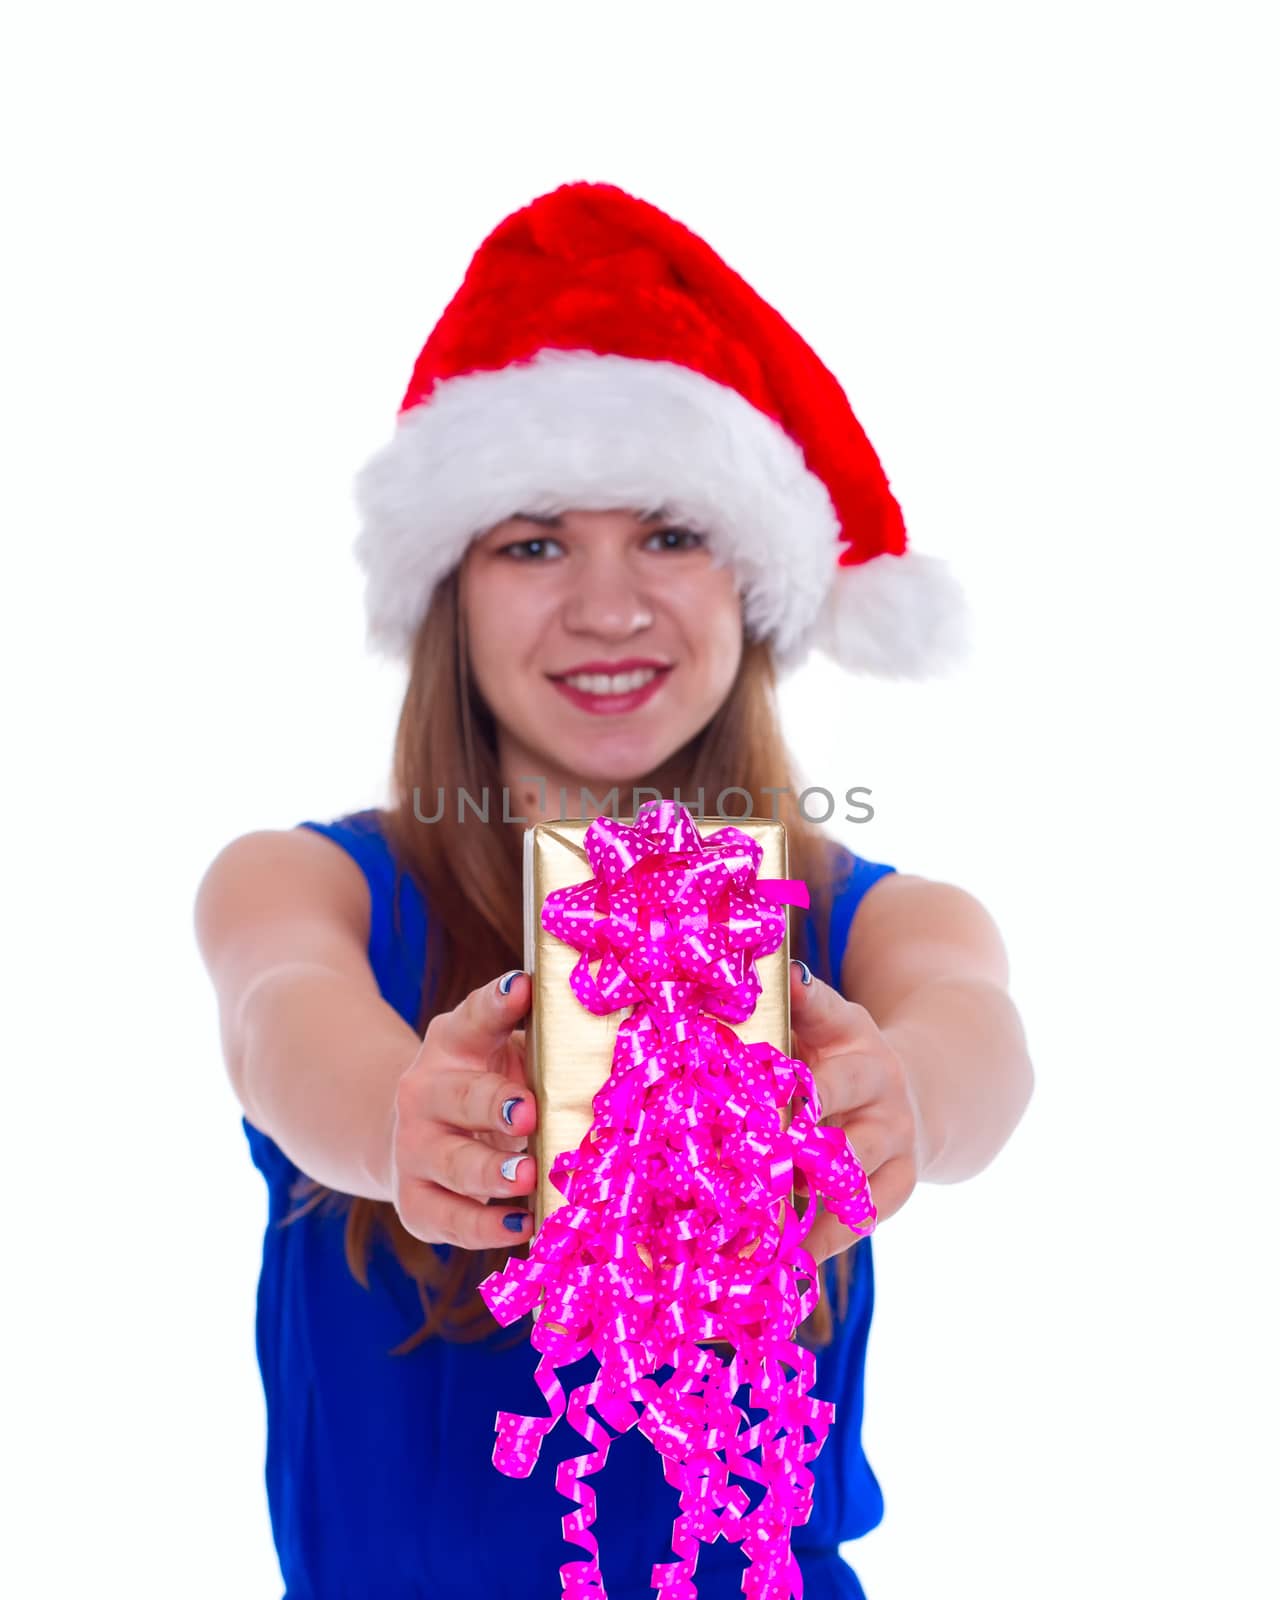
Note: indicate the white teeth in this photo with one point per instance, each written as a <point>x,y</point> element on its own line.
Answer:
<point>619,683</point>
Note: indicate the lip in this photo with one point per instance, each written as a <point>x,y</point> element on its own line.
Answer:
<point>627,664</point>
<point>614,705</point>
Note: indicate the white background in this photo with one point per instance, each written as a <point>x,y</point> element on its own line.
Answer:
<point>1036,245</point>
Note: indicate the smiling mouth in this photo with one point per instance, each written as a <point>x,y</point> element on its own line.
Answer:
<point>611,683</point>
<point>611,693</point>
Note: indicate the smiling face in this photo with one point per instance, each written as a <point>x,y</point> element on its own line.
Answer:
<point>602,641</point>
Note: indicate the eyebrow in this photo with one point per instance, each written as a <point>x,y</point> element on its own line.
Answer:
<point>557,520</point>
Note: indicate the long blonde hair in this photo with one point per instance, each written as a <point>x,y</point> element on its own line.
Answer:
<point>469,877</point>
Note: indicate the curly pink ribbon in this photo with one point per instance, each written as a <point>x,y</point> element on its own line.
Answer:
<point>686,1166</point>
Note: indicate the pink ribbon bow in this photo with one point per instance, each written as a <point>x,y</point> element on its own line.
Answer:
<point>677,1224</point>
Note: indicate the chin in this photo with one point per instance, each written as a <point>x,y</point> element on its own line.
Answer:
<point>624,763</point>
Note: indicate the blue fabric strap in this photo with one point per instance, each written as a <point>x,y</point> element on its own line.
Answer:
<point>844,903</point>
<point>397,920</point>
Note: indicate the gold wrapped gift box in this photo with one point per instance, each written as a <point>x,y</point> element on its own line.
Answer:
<point>569,1051</point>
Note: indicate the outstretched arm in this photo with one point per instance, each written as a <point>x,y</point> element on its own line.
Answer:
<point>927,1070</point>
<point>927,961</point>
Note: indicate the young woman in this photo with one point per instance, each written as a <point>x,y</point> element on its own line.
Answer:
<point>622,496</point>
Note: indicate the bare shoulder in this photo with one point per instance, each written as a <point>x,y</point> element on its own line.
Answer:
<point>909,929</point>
<point>277,895</point>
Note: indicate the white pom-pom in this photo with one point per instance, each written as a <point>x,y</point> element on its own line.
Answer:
<point>894,617</point>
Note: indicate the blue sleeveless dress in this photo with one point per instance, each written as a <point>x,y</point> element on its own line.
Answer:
<point>379,1468</point>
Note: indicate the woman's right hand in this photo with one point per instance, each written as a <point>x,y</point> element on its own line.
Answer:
<point>450,1139</point>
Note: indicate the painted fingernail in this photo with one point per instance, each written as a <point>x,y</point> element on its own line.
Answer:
<point>806,977</point>
<point>515,1220</point>
<point>511,1167</point>
<point>507,979</point>
<point>509,1106</point>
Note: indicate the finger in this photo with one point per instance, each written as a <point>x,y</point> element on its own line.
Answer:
<point>829,1236</point>
<point>894,1183</point>
<point>867,1142</point>
<point>845,1084</point>
<point>870,1139</point>
<point>514,1069</point>
<point>484,1021</point>
<point>441,1217</point>
<point>517,1054</point>
<point>467,1100</point>
<point>468,1165</point>
<point>823,1021</point>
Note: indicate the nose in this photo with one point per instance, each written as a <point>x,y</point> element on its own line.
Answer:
<point>608,600</point>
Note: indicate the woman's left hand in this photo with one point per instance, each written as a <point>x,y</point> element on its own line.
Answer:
<point>863,1087</point>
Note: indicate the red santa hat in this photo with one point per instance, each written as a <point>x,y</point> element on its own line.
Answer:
<point>600,355</point>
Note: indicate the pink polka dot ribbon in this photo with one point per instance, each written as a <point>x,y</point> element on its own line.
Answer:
<point>677,1225</point>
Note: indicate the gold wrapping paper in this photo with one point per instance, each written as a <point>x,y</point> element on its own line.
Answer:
<point>568,1050</point>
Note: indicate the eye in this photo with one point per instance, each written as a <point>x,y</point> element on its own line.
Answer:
<point>679,539</point>
<point>528,549</point>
